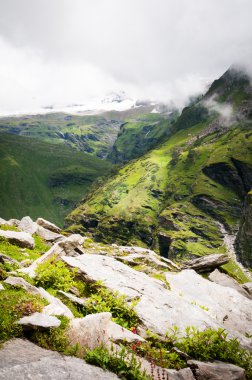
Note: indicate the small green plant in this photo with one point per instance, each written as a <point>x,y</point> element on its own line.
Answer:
<point>120,362</point>
<point>54,274</point>
<point>104,300</point>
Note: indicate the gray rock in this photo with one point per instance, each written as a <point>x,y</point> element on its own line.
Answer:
<point>55,307</point>
<point>3,222</point>
<point>90,331</point>
<point>225,305</point>
<point>48,235</point>
<point>73,298</point>
<point>1,287</point>
<point>26,224</point>
<point>6,259</point>
<point>13,222</point>
<point>23,360</point>
<point>225,280</point>
<point>22,239</point>
<point>48,225</point>
<point>248,287</point>
<point>216,371</point>
<point>207,263</point>
<point>39,320</point>
<point>66,246</point>
<point>19,281</point>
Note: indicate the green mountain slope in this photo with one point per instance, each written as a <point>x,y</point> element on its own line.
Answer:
<point>90,134</point>
<point>140,134</point>
<point>42,179</point>
<point>183,194</point>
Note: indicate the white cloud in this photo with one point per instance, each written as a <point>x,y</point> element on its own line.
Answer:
<point>61,51</point>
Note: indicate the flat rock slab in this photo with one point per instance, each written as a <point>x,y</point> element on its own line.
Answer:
<point>48,235</point>
<point>216,371</point>
<point>22,239</point>
<point>22,360</point>
<point>207,263</point>
<point>225,280</point>
<point>223,304</point>
<point>158,308</point>
<point>55,307</point>
<point>39,320</point>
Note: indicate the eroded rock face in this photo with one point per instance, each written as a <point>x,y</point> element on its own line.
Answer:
<point>48,225</point>
<point>225,305</point>
<point>22,239</point>
<point>216,371</point>
<point>22,360</point>
<point>207,263</point>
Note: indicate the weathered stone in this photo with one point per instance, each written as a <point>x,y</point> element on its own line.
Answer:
<point>90,331</point>
<point>3,221</point>
<point>39,320</point>
<point>248,287</point>
<point>23,360</point>
<point>26,224</point>
<point>48,235</point>
<point>207,263</point>
<point>13,222</point>
<point>73,298</point>
<point>216,371</point>
<point>223,304</point>
<point>6,259</point>
<point>48,225</point>
<point>1,287</point>
<point>19,281</point>
<point>66,246</point>
<point>225,280</point>
<point>55,307</point>
<point>22,239</point>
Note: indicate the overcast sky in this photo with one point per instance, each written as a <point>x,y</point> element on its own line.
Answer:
<point>66,51</point>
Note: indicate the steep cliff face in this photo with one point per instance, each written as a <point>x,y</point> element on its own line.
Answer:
<point>244,237</point>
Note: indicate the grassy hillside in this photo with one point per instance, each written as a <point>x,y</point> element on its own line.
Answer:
<point>42,179</point>
<point>176,195</point>
<point>91,134</point>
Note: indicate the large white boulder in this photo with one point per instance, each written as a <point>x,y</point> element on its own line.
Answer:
<point>26,224</point>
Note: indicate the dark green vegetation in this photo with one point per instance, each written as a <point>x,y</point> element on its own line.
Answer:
<point>181,196</point>
<point>43,179</point>
<point>140,134</point>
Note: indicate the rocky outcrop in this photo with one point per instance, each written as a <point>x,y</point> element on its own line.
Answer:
<point>159,308</point>
<point>248,287</point>
<point>216,371</point>
<point>207,263</point>
<point>55,307</point>
<point>26,224</point>
<point>22,239</point>
<point>20,282</point>
<point>22,360</point>
<point>48,235</point>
